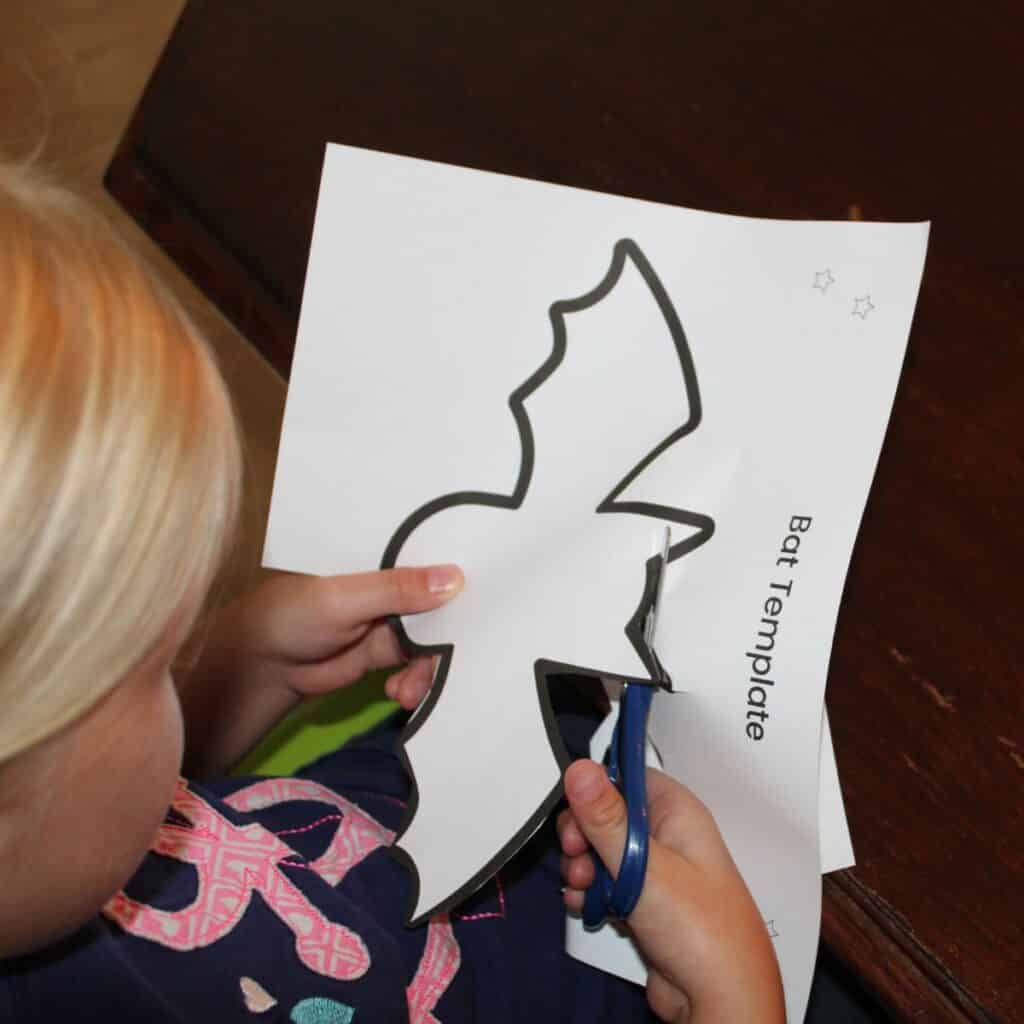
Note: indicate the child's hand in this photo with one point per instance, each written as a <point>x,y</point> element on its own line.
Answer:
<point>708,950</point>
<point>295,637</point>
<point>320,633</point>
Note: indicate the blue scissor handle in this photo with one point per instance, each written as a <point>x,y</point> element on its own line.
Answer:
<point>627,769</point>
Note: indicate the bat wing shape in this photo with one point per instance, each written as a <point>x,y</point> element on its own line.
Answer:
<point>561,573</point>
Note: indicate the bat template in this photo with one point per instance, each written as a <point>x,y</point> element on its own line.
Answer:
<point>440,299</point>
<point>524,717</point>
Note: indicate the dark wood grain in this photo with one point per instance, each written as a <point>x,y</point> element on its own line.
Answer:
<point>911,111</point>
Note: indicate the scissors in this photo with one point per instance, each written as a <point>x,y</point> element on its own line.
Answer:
<point>626,763</point>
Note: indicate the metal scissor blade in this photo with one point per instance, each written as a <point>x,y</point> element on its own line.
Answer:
<point>651,622</point>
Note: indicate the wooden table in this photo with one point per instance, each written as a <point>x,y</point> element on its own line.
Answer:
<point>797,109</point>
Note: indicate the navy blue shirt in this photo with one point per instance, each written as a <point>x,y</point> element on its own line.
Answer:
<point>277,900</point>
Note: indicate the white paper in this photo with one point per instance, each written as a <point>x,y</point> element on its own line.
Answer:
<point>427,305</point>
<point>836,845</point>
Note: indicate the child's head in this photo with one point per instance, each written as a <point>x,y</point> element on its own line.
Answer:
<point>119,474</point>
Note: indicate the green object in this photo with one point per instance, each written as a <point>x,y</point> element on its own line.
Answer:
<point>318,727</point>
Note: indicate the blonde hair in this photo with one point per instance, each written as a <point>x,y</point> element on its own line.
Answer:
<point>119,460</point>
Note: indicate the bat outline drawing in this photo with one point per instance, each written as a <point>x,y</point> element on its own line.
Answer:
<point>623,251</point>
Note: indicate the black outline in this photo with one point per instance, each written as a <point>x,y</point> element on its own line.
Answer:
<point>625,248</point>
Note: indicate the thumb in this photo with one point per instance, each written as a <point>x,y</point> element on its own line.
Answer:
<point>363,597</point>
<point>599,811</point>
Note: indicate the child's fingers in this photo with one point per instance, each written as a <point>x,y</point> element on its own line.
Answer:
<point>572,839</point>
<point>578,872</point>
<point>379,648</point>
<point>680,821</point>
<point>410,685</point>
<point>394,685</point>
<point>364,597</point>
<point>598,809</point>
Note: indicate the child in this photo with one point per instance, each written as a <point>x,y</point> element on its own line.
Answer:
<point>261,899</point>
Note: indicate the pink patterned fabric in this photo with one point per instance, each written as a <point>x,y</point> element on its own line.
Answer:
<point>233,862</point>
<point>357,836</point>
<point>438,965</point>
